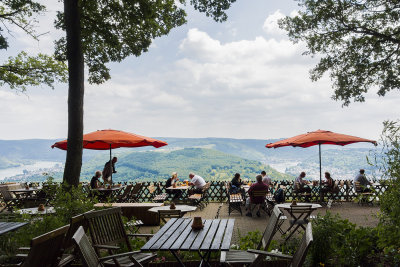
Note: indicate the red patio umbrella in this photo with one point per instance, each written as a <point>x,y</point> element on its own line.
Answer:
<point>110,139</point>
<point>319,138</point>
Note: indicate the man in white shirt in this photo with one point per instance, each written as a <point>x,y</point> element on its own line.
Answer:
<point>265,179</point>
<point>197,181</point>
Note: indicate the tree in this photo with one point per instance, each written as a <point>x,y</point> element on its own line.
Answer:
<point>23,70</point>
<point>103,31</point>
<point>359,41</point>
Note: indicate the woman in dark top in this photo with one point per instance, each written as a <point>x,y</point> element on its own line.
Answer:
<point>95,182</point>
<point>236,183</point>
<point>329,184</point>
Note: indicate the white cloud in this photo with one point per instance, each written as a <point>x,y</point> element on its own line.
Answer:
<point>246,88</point>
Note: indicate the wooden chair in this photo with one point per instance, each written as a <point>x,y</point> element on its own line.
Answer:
<point>362,196</point>
<point>245,257</point>
<point>262,205</point>
<point>299,256</point>
<point>90,258</point>
<point>46,249</point>
<point>134,195</point>
<point>124,197</point>
<point>107,230</point>
<point>10,200</point>
<point>300,193</point>
<point>68,246</point>
<point>201,200</point>
<point>234,200</point>
<point>168,214</point>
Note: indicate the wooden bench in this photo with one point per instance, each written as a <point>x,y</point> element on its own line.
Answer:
<point>363,197</point>
<point>160,198</point>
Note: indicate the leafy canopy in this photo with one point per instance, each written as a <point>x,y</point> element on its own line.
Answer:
<point>23,70</point>
<point>112,30</point>
<point>358,40</point>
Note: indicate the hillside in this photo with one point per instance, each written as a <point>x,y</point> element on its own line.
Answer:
<point>151,165</point>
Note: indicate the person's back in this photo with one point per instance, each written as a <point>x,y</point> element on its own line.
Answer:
<point>198,182</point>
<point>362,179</point>
<point>258,186</point>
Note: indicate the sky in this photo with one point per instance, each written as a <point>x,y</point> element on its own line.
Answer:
<point>239,79</point>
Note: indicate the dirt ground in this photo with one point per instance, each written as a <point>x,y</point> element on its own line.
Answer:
<point>360,215</point>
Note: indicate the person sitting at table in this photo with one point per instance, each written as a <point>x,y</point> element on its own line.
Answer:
<point>363,181</point>
<point>197,182</point>
<point>95,182</point>
<point>301,185</point>
<point>256,200</point>
<point>109,168</point>
<point>266,180</point>
<point>236,183</point>
<point>170,182</point>
<point>328,184</point>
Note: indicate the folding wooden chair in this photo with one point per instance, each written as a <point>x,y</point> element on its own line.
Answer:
<point>299,256</point>
<point>245,257</point>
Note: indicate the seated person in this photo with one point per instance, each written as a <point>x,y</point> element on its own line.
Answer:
<point>170,182</point>
<point>328,184</point>
<point>258,186</point>
<point>95,182</point>
<point>301,185</point>
<point>197,182</point>
<point>363,181</point>
<point>236,183</point>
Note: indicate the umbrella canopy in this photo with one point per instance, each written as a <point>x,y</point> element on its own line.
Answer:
<point>110,139</point>
<point>319,137</point>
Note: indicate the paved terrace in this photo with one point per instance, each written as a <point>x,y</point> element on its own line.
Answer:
<point>360,215</point>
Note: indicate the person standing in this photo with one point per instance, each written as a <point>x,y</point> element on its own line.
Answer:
<point>266,180</point>
<point>109,168</point>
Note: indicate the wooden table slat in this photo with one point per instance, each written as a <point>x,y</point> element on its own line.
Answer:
<point>218,236</point>
<point>157,245</point>
<point>200,237</point>
<point>10,226</point>
<point>177,233</point>
<point>210,235</point>
<point>193,235</point>
<point>182,238</point>
<point>226,243</point>
<point>154,239</point>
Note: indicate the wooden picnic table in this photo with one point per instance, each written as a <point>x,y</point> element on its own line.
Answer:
<point>29,190</point>
<point>178,235</point>
<point>6,227</point>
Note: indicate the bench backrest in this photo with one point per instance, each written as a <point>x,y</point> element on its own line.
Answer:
<point>46,249</point>
<point>86,250</point>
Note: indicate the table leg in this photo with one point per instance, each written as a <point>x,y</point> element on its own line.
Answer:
<point>205,258</point>
<point>177,258</point>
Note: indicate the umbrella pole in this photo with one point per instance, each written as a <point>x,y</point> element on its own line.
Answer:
<point>111,168</point>
<point>320,172</point>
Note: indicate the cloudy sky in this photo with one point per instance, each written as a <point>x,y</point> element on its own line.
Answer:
<point>240,79</point>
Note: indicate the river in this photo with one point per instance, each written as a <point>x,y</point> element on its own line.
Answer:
<point>9,172</point>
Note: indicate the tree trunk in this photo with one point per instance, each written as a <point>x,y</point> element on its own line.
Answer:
<point>73,162</point>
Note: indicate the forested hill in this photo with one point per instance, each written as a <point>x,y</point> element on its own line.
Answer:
<point>208,163</point>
